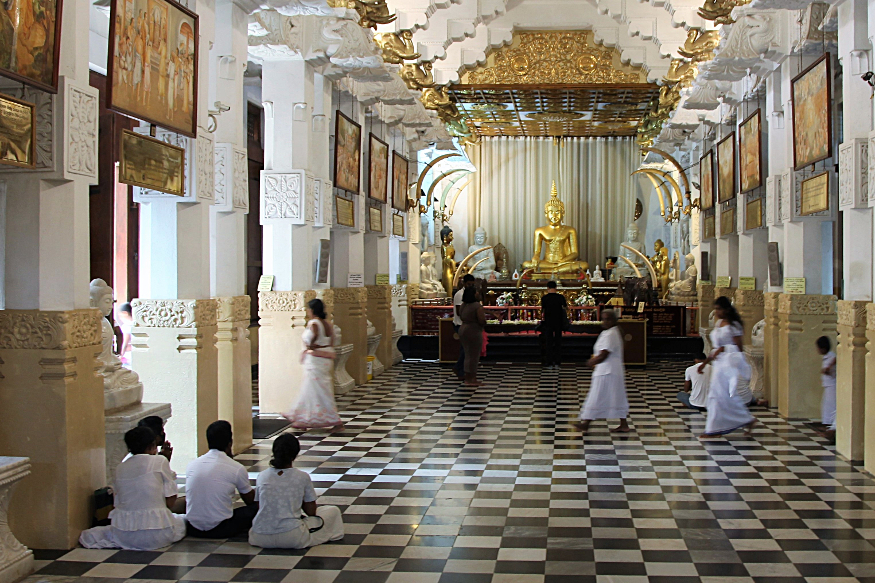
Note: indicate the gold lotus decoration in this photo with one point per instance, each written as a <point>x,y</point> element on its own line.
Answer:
<point>556,116</point>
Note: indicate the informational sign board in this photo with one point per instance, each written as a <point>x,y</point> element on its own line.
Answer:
<point>382,279</point>
<point>724,281</point>
<point>355,280</point>
<point>322,261</point>
<point>402,267</point>
<point>747,283</point>
<point>265,283</point>
<point>776,275</point>
<point>794,285</point>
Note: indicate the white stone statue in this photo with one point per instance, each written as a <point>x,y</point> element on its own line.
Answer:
<point>685,234</point>
<point>423,227</point>
<point>121,387</point>
<point>757,334</point>
<point>429,279</point>
<point>623,269</point>
<point>338,335</point>
<point>486,269</point>
<point>597,275</point>
<point>372,330</point>
<point>684,290</point>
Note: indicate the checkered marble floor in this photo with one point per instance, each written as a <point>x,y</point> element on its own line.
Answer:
<point>440,483</point>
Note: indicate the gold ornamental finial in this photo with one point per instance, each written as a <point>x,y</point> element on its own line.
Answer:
<point>554,202</point>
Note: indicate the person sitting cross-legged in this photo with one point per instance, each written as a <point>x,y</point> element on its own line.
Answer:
<point>145,490</point>
<point>283,493</point>
<point>210,483</point>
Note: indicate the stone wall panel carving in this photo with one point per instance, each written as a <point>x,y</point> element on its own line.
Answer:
<point>749,298</point>
<point>281,301</point>
<point>174,313</point>
<point>870,317</point>
<point>241,180</point>
<point>806,305</point>
<point>33,329</point>
<point>773,200</point>
<point>350,295</point>
<point>854,174</point>
<point>233,309</point>
<point>80,131</point>
<point>852,313</point>
<point>283,196</point>
<point>222,174</point>
<point>205,165</point>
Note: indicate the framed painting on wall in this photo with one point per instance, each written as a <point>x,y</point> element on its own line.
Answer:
<point>706,180</point>
<point>815,194</point>
<point>153,63</point>
<point>708,227</point>
<point>17,132</point>
<point>347,154</point>
<point>811,93</point>
<point>727,222</point>
<point>726,168</point>
<point>30,40</point>
<point>378,169</point>
<point>399,182</point>
<point>750,148</point>
<point>150,163</point>
<point>754,214</point>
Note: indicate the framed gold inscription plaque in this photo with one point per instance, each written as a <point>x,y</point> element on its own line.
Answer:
<point>17,132</point>
<point>708,227</point>
<point>345,211</point>
<point>375,219</point>
<point>727,222</point>
<point>754,214</point>
<point>398,225</point>
<point>815,194</point>
<point>150,163</point>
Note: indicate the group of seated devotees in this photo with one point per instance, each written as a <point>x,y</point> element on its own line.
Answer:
<point>280,512</point>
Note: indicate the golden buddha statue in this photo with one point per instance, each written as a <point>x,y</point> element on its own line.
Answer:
<point>448,259</point>
<point>561,253</point>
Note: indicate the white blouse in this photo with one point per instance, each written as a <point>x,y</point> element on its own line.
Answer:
<point>142,483</point>
<point>612,341</point>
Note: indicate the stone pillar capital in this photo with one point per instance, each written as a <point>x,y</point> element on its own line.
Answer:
<point>39,330</point>
<point>233,309</point>
<point>174,313</point>
<point>350,296</point>
<point>749,298</point>
<point>806,305</point>
<point>283,301</point>
<point>770,302</point>
<point>728,292</point>
<point>853,314</point>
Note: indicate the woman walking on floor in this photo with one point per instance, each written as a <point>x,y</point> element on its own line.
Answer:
<point>607,395</point>
<point>727,409</point>
<point>471,333</point>
<point>315,407</point>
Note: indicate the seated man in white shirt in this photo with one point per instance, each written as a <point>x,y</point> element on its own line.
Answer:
<point>210,483</point>
<point>695,393</point>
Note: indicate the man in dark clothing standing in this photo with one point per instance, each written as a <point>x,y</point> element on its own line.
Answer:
<point>467,281</point>
<point>553,319</point>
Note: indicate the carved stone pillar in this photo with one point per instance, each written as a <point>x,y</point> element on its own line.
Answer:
<point>802,319</point>
<point>16,560</point>
<point>770,347</point>
<point>351,314</point>
<point>397,357</point>
<point>850,378</point>
<point>869,410</point>
<point>412,295</point>
<point>283,319</point>
<point>706,303</point>
<point>400,313</point>
<point>380,315</point>
<point>376,365</point>
<point>749,304</point>
<point>174,352</point>
<point>343,383</point>
<point>234,354</point>
<point>51,410</point>
<point>729,292</point>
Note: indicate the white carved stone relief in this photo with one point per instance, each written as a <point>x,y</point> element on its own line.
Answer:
<point>870,190</point>
<point>773,200</point>
<point>310,207</point>
<point>222,175</point>
<point>327,202</point>
<point>241,180</point>
<point>854,173</point>
<point>283,196</point>
<point>205,166</point>
<point>80,131</point>
<point>784,203</point>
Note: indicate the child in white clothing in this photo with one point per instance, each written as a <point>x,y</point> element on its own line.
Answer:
<point>828,380</point>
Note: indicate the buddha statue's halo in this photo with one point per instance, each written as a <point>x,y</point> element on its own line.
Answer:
<point>554,202</point>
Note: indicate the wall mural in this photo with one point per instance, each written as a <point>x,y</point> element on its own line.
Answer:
<point>378,169</point>
<point>30,35</point>
<point>399,182</point>
<point>706,180</point>
<point>812,108</point>
<point>347,154</point>
<point>726,168</point>
<point>750,152</point>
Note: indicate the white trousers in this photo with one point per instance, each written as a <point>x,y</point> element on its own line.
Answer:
<point>301,537</point>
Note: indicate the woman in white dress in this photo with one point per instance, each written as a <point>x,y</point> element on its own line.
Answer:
<point>145,490</point>
<point>315,406</point>
<point>828,381</point>
<point>727,408</point>
<point>607,395</point>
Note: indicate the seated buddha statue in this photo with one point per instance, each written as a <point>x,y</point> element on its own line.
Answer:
<point>561,253</point>
<point>623,268</point>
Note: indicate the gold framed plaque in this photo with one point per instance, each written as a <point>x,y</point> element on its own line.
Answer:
<point>378,169</point>
<point>708,227</point>
<point>727,222</point>
<point>754,214</point>
<point>30,40</point>
<point>706,180</point>
<point>347,153</point>
<point>750,152</point>
<point>815,194</point>
<point>375,219</point>
<point>345,211</point>
<point>150,163</point>
<point>726,168</point>
<point>17,132</point>
<point>152,69</point>
<point>811,93</point>
<point>398,225</point>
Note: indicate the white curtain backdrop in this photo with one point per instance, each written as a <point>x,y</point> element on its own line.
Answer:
<point>512,184</point>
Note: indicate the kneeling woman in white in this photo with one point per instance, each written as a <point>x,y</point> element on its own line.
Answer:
<point>145,490</point>
<point>607,395</point>
<point>282,493</point>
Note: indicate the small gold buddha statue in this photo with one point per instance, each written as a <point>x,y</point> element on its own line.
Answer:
<point>561,253</point>
<point>448,259</point>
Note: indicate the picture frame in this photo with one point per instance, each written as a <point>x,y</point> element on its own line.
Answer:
<point>347,154</point>
<point>706,180</point>
<point>378,169</point>
<point>41,70</point>
<point>399,182</point>
<point>753,218</point>
<point>750,152</point>
<point>17,132</point>
<point>727,222</point>
<point>811,94</point>
<point>726,169</point>
<point>375,219</point>
<point>708,227</point>
<point>815,194</point>
<point>398,225</point>
<point>150,163</point>
<point>345,211</point>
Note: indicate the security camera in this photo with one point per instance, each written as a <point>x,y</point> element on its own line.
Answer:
<point>222,107</point>
<point>868,77</point>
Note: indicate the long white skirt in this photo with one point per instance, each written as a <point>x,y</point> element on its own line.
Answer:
<point>828,405</point>
<point>315,406</point>
<point>109,537</point>
<point>727,410</point>
<point>606,398</point>
<point>302,538</point>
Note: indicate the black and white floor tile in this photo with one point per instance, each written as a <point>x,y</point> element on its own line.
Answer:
<point>441,483</point>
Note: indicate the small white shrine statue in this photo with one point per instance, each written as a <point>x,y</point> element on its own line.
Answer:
<point>429,279</point>
<point>757,334</point>
<point>684,290</point>
<point>121,387</point>
<point>485,269</point>
<point>597,276</point>
<point>623,269</point>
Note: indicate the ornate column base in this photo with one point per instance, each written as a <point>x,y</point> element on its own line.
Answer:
<point>120,422</point>
<point>706,304</point>
<point>851,379</point>
<point>397,357</point>
<point>174,352</point>
<point>51,398</point>
<point>802,319</point>
<point>749,304</point>
<point>350,313</point>
<point>377,367</point>
<point>770,347</point>
<point>343,383</point>
<point>234,354</point>
<point>729,292</point>
<point>412,294</point>
<point>16,560</point>
<point>283,319</point>
<point>380,315</point>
